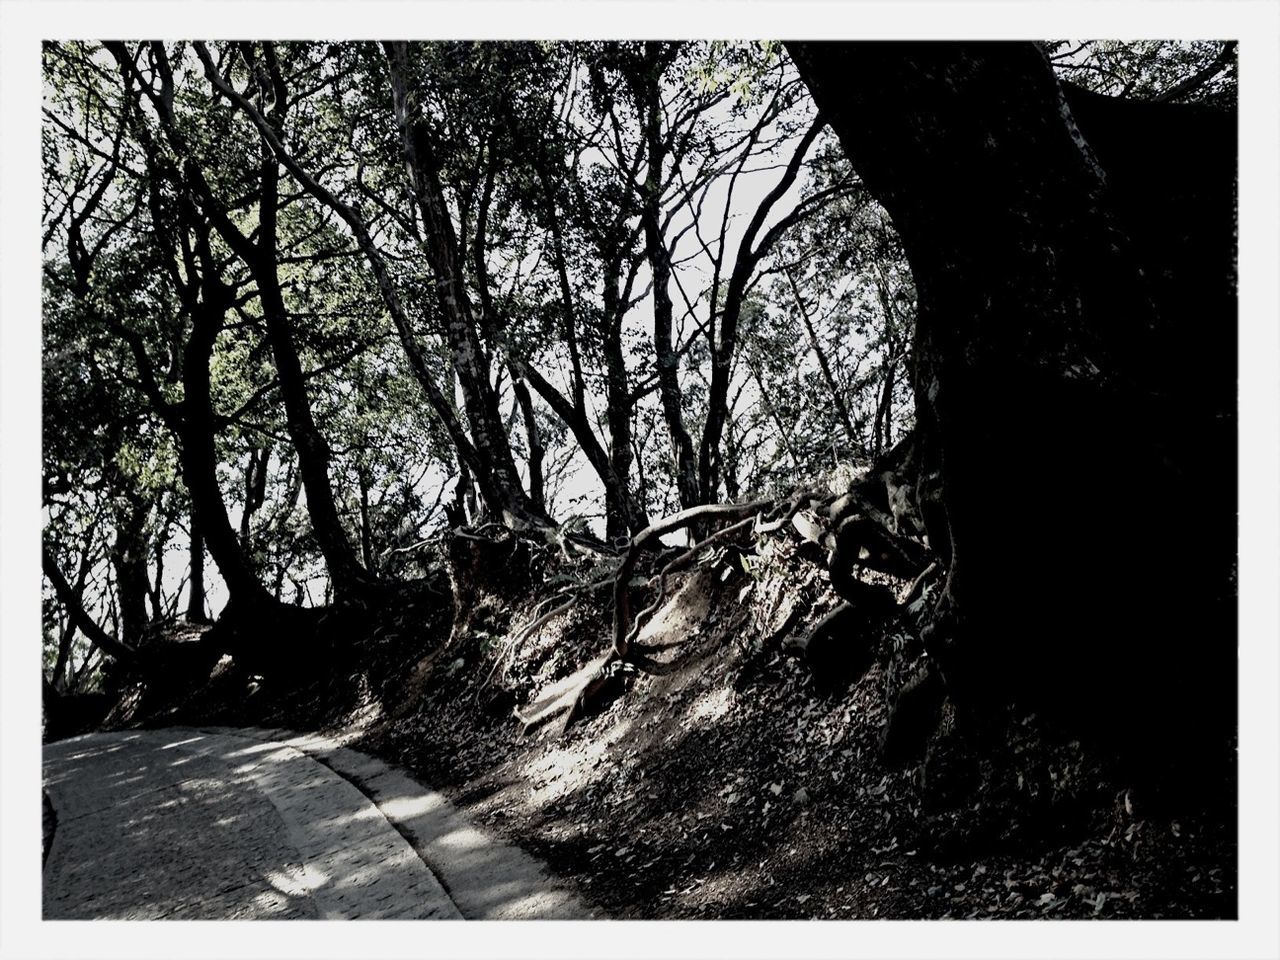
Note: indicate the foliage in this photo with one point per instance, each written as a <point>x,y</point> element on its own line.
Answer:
<point>543,159</point>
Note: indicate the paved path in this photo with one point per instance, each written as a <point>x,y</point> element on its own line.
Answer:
<point>250,824</point>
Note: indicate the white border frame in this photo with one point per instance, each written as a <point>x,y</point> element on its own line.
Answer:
<point>23,23</point>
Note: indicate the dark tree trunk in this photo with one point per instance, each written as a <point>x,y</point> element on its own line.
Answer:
<point>537,493</point>
<point>618,412</point>
<point>158,549</point>
<point>1074,369</point>
<point>495,473</point>
<point>348,576</point>
<point>458,513</point>
<point>725,342</point>
<point>199,457</point>
<point>129,558</point>
<point>60,680</point>
<point>195,583</point>
<point>71,601</point>
<point>668,363</point>
<point>882,435</point>
<point>366,523</point>
<point>255,492</point>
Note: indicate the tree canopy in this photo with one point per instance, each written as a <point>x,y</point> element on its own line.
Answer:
<point>309,305</point>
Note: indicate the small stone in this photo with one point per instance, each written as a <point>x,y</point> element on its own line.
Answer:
<point>801,796</point>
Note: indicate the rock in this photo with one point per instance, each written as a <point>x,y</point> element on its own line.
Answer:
<point>800,797</point>
<point>807,525</point>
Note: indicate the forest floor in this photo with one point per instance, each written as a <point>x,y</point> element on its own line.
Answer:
<point>742,783</point>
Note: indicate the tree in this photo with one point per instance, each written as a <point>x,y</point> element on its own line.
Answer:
<point>1074,362</point>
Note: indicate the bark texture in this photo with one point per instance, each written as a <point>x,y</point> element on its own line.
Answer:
<point>1074,376</point>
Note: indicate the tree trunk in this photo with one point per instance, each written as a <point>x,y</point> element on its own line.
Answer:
<point>348,576</point>
<point>366,523</point>
<point>255,491</point>
<point>129,558</point>
<point>76,611</point>
<point>158,549</point>
<point>60,680</point>
<point>725,341</point>
<point>668,363</point>
<point>195,582</point>
<point>199,457</point>
<point>855,439</point>
<point>496,473</point>
<point>1074,375</point>
<point>618,414</point>
<point>882,438</point>
<point>536,482</point>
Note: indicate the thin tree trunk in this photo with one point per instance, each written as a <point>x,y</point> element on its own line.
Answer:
<point>76,611</point>
<point>624,509</point>
<point>60,677</point>
<point>881,433</point>
<point>537,493</point>
<point>496,474</point>
<point>837,397</point>
<point>726,340</point>
<point>255,490</point>
<point>668,363</point>
<point>784,432</point>
<point>129,557</point>
<point>195,581</point>
<point>366,526</point>
<point>158,551</point>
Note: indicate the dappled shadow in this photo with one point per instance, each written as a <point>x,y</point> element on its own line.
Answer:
<point>154,825</point>
<point>137,841</point>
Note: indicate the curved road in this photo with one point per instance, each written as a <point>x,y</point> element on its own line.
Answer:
<point>219,824</point>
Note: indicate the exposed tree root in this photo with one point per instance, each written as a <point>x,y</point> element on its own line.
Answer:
<point>675,566</point>
<point>759,515</point>
<point>504,658</point>
<point>827,520</point>
<point>916,587</point>
<point>566,694</point>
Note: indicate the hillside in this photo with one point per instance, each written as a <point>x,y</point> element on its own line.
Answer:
<point>748,777</point>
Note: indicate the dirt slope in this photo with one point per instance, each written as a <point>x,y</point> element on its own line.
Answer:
<point>747,781</point>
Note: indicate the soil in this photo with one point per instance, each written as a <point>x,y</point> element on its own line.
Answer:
<point>746,781</point>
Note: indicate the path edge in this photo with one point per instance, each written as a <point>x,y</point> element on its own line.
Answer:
<point>528,891</point>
